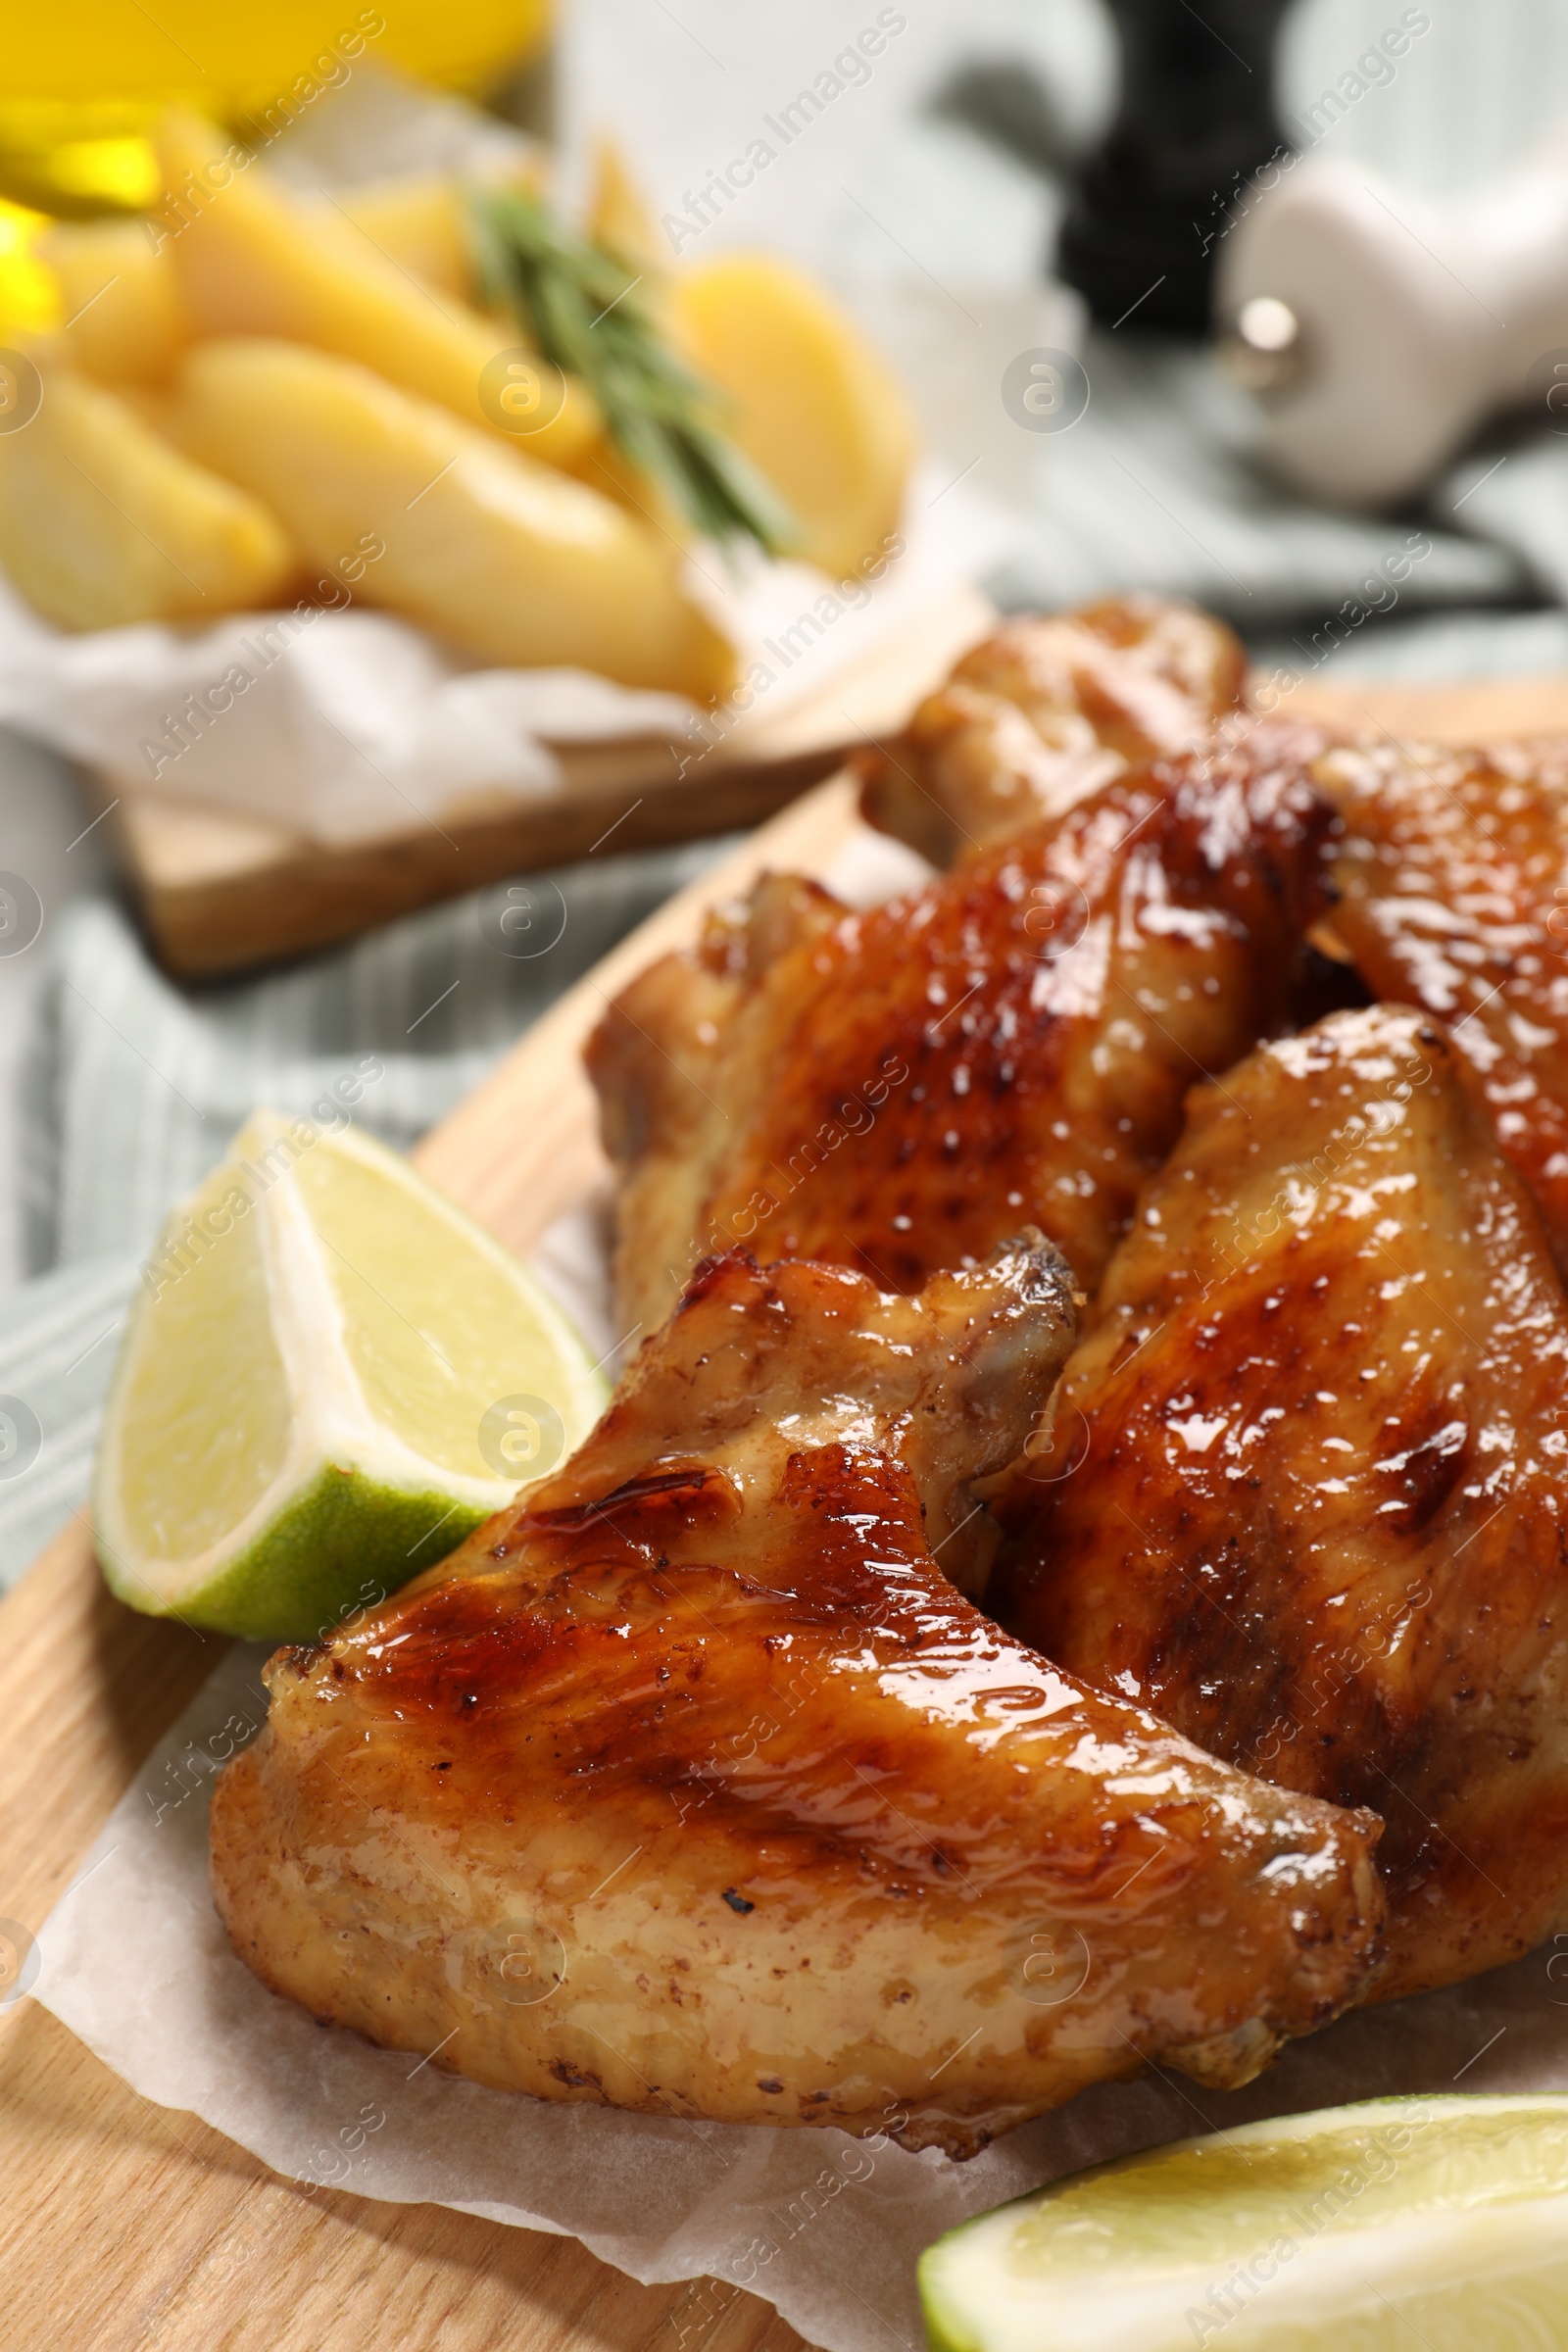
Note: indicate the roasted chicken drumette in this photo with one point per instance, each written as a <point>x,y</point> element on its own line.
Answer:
<point>1305,1488</point>
<point>694,1786</point>
<point>895,1091</point>
<point>1452,883</point>
<point>1048,708</point>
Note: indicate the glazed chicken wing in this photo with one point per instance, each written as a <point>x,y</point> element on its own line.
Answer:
<point>1305,1488</point>
<point>1046,709</point>
<point>896,1091</point>
<point>1453,896</point>
<point>692,1786</point>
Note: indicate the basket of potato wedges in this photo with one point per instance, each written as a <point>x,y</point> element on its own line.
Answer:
<point>506,428</point>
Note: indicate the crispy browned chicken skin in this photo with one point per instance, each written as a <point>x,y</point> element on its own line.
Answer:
<point>699,1744</point>
<point>1305,1487</point>
<point>895,1091</point>
<point>1453,896</point>
<point>1043,711</point>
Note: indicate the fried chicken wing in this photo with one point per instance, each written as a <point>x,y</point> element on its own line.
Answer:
<point>898,1090</point>
<point>1453,897</point>
<point>692,1786</point>
<point>1304,1491</point>
<point>1046,709</point>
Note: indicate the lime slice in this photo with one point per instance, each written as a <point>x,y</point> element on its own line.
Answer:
<point>331,1375</point>
<point>1379,2227</point>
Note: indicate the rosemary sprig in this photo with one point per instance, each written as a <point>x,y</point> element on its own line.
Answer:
<point>576,301</point>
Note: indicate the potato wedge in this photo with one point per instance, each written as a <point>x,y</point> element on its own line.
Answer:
<point>123,320</point>
<point>251,260</point>
<point>492,549</point>
<point>619,213</point>
<point>418,224</point>
<point>813,404</point>
<point>103,523</point>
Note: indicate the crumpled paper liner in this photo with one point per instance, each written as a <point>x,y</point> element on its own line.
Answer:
<point>827,2227</point>
<point>352,724</point>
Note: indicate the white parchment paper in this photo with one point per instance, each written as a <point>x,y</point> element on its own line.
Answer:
<point>353,724</point>
<point>827,2227</point>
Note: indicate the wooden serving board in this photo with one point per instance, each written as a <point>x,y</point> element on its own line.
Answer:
<point>222,892</point>
<point>125,2226</point>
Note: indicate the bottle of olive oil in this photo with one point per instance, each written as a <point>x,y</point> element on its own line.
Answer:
<point>80,86</point>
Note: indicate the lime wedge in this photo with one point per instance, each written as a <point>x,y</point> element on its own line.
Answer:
<point>331,1375</point>
<point>1441,2221</point>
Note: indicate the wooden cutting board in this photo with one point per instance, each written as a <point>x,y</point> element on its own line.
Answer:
<point>125,2226</point>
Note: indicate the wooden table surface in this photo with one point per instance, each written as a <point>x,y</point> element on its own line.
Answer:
<point>126,2225</point>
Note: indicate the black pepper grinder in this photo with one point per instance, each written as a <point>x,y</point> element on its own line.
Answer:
<point>1195,119</point>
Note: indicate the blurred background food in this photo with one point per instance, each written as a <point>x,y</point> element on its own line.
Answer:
<point>103,520</point>
<point>532,487</point>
